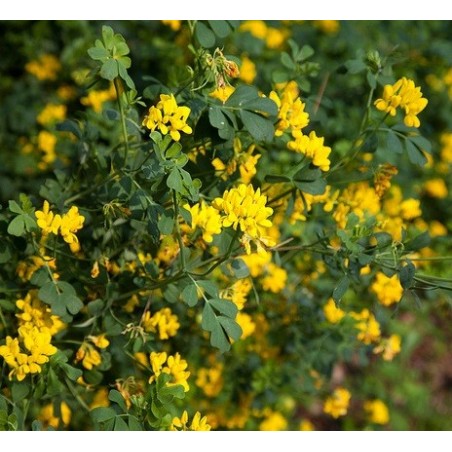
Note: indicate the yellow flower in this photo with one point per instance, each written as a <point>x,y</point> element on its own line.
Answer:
<point>89,356</point>
<point>52,113</point>
<point>198,423</point>
<point>210,380</point>
<point>275,280</point>
<point>71,222</point>
<point>175,366</point>
<point>100,399</point>
<point>168,117</point>
<point>45,67</point>
<point>46,143</point>
<point>291,114</point>
<point>407,96</point>
<point>47,221</point>
<point>247,70</point>
<point>96,98</point>
<point>337,404</point>
<point>312,147</point>
<point>205,218</point>
<point>275,38</point>
<point>377,411</point>
<point>163,321</point>
<point>327,26</point>
<point>446,150</point>
<point>306,426</point>
<point>48,418</point>
<point>245,208</point>
<point>436,188</point>
<point>258,28</point>
<point>222,92</point>
<point>389,347</point>
<point>332,313</point>
<point>274,421</point>
<point>100,341</point>
<point>387,289</point>
<point>173,24</point>
<point>367,325</point>
<point>238,292</point>
<point>245,322</point>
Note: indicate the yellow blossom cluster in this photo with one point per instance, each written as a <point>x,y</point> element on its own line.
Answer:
<point>337,404</point>
<point>88,353</point>
<point>198,423</point>
<point>175,366</point>
<point>389,347</point>
<point>377,411</point>
<point>66,225</point>
<point>46,67</point>
<point>51,114</point>
<point>367,325</point>
<point>26,268</point>
<point>274,421</point>
<point>49,418</point>
<point>206,218</point>
<point>273,37</point>
<point>163,321</point>
<point>32,348</point>
<point>96,98</point>
<point>407,96</point>
<point>245,208</point>
<point>210,380</point>
<point>387,289</point>
<point>168,117</point>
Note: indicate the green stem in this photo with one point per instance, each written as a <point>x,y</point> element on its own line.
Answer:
<point>123,119</point>
<point>178,233</point>
<point>77,396</point>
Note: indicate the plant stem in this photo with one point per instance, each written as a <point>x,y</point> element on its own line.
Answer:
<point>123,119</point>
<point>178,233</point>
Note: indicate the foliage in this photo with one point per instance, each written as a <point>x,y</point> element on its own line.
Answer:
<point>225,225</point>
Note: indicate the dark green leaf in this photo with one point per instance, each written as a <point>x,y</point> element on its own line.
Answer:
<point>209,287</point>
<point>17,226</point>
<point>393,143</point>
<point>166,222</point>
<point>174,180</point>
<point>287,61</point>
<point>226,307</point>
<point>120,425</point>
<point>134,424</point>
<point>243,94</point>
<point>190,294</point>
<point>406,275</point>
<point>220,27</point>
<point>415,155</point>
<point>209,321</point>
<point>341,288</point>
<point>217,119</point>
<point>7,305</point>
<point>419,242</point>
<point>72,372</point>
<point>261,105</point>
<point>115,396</point>
<point>260,128</point>
<point>204,35</point>
<point>19,390</point>
<point>102,414</point>
<point>232,328</point>
<point>219,339</point>
<point>240,269</point>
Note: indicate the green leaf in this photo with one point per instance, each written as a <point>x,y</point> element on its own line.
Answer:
<point>174,180</point>
<point>14,207</point>
<point>243,94</point>
<point>72,372</point>
<point>309,180</point>
<point>36,426</point>
<point>406,275</point>
<point>419,242</point>
<point>190,294</point>
<point>217,119</point>
<point>17,226</point>
<point>261,105</point>
<point>204,35</point>
<point>226,307</point>
<point>287,61</point>
<point>19,390</point>
<point>219,339</point>
<point>209,287</point>
<point>306,52</point>
<point>7,305</point>
<point>220,27</point>
<point>134,424</point>
<point>260,128</point>
<point>166,222</point>
<point>98,53</point>
<point>109,70</point>
<point>415,155</point>
<point>103,414</point>
<point>61,297</point>
<point>393,143</point>
<point>115,396</point>
<point>239,268</point>
<point>341,288</point>
<point>208,322</point>
<point>232,328</point>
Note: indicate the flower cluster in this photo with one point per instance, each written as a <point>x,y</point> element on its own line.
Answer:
<point>198,423</point>
<point>88,353</point>
<point>168,117</point>
<point>66,225</point>
<point>245,208</point>
<point>406,95</point>
<point>175,366</point>
<point>32,348</point>
<point>337,404</point>
<point>163,321</point>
